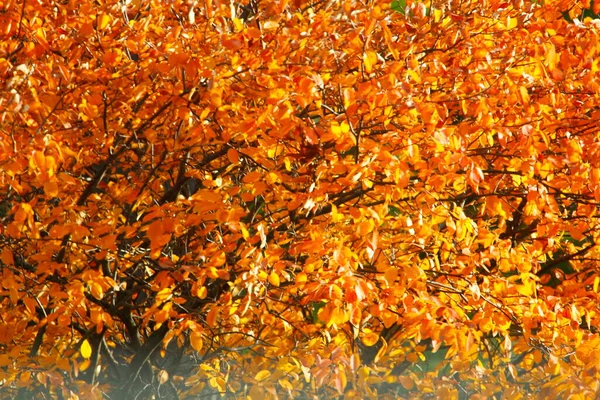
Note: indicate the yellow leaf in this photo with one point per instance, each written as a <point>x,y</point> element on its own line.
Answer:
<point>86,349</point>
<point>527,289</point>
<point>96,290</point>
<point>285,384</point>
<point>486,324</point>
<point>344,127</point>
<point>337,317</point>
<point>370,339</point>
<point>274,279</point>
<point>301,278</point>
<point>336,129</point>
<point>245,233</point>
<point>262,375</point>
<point>202,292</point>
<point>262,275</point>
<point>212,273</point>
<point>524,95</point>
<point>103,21</point>
<point>335,215</point>
<point>38,161</point>
<point>369,59</point>
<point>238,24</point>
<point>163,295</point>
<point>511,22</point>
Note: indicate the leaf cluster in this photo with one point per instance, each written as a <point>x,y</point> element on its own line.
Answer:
<point>299,199</point>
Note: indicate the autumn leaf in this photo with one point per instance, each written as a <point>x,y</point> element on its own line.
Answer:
<point>370,339</point>
<point>85,349</point>
<point>281,198</point>
<point>262,375</point>
<point>196,341</point>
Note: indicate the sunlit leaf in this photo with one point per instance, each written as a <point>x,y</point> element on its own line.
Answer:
<point>85,349</point>
<point>262,375</point>
<point>370,339</point>
<point>196,341</point>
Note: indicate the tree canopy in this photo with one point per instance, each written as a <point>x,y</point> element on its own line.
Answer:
<point>299,199</point>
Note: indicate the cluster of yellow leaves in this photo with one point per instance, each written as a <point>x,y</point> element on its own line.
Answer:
<point>291,198</point>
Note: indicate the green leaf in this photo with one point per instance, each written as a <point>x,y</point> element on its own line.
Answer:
<point>393,211</point>
<point>316,306</point>
<point>399,6</point>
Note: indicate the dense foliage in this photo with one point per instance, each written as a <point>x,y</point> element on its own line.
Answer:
<point>292,199</point>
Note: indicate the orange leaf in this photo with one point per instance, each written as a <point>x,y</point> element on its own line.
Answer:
<point>252,177</point>
<point>96,290</point>
<point>196,341</point>
<point>407,382</point>
<point>51,188</point>
<point>30,304</point>
<point>5,360</point>
<point>211,317</point>
<point>233,156</point>
<point>7,257</point>
<point>390,275</point>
